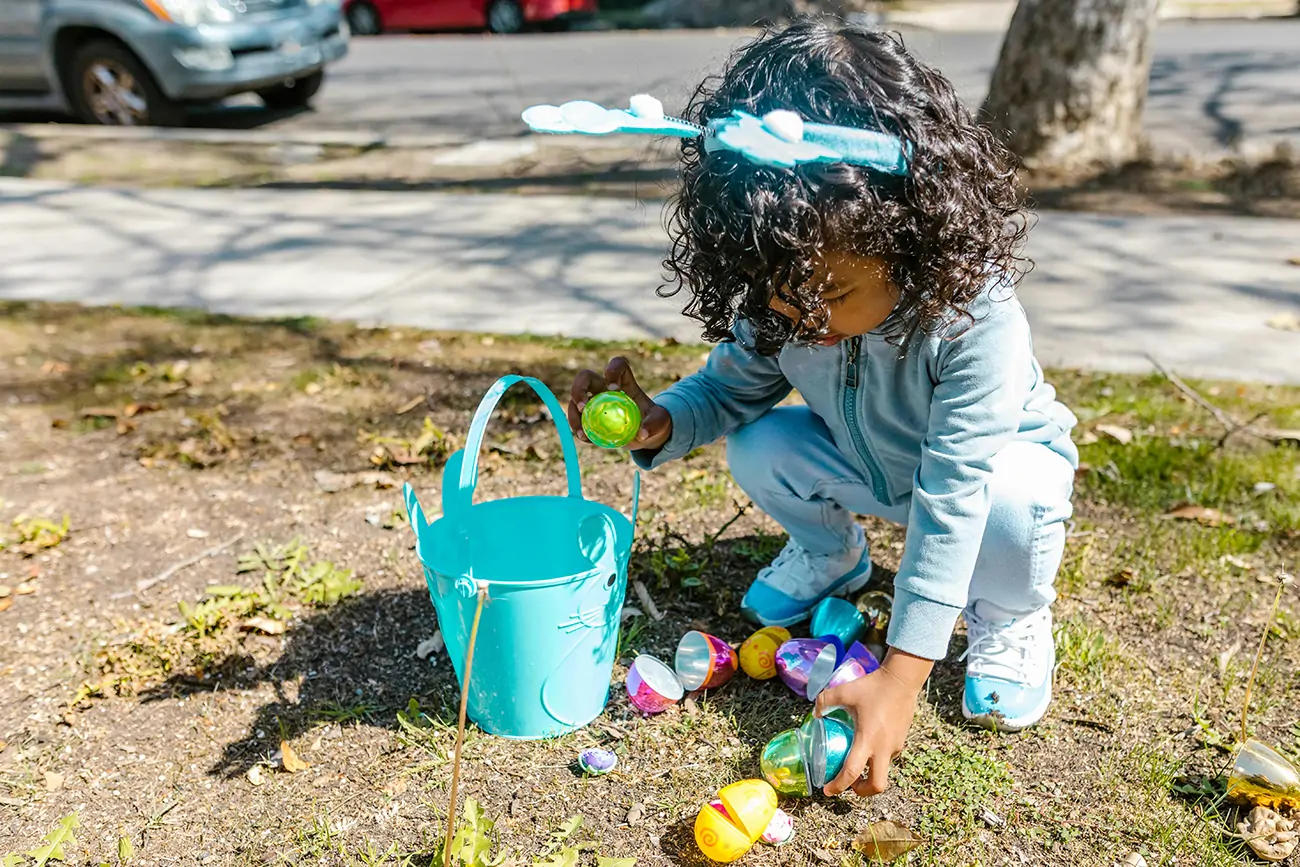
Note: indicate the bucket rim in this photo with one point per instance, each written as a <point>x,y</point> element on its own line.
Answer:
<point>544,582</point>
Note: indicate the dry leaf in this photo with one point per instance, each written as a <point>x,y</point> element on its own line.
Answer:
<point>55,367</point>
<point>396,786</point>
<point>824,856</point>
<point>125,427</point>
<point>6,602</point>
<point>1284,322</point>
<point>255,775</point>
<point>1270,835</point>
<point>332,483</point>
<point>1201,514</point>
<point>1121,435</point>
<point>882,842</point>
<point>410,405</point>
<point>26,588</point>
<point>264,625</point>
<point>133,409</point>
<point>1294,260</point>
<point>53,781</point>
<point>430,646</point>
<point>1122,578</point>
<point>289,759</point>
<point>1086,438</point>
<point>5,590</point>
<point>1282,437</point>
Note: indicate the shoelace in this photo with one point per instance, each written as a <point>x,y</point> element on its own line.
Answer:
<point>1000,650</point>
<point>790,581</point>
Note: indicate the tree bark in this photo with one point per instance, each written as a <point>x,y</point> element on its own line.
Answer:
<point>1071,81</point>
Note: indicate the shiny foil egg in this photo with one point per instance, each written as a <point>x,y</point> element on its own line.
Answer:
<point>595,762</point>
<point>794,662</point>
<point>837,617</point>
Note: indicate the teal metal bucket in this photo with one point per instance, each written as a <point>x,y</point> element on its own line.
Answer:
<point>555,572</point>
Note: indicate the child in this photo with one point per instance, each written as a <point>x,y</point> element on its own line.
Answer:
<point>881,292</point>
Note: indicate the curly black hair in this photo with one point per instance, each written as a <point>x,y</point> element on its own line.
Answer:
<point>743,233</point>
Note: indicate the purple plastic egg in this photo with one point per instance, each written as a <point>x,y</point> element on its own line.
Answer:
<point>794,661</point>
<point>596,761</point>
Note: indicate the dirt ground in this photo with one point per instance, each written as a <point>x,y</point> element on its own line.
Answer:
<point>156,715</point>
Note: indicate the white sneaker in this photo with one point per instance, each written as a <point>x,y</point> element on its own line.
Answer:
<point>787,591</point>
<point>1009,663</point>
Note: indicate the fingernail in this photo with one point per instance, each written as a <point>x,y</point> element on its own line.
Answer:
<point>582,405</point>
<point>643,434</point>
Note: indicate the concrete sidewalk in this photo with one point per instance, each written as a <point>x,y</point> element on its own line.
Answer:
<point>1196,293</point>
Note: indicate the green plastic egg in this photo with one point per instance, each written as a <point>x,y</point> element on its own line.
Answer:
<point>611,420</point>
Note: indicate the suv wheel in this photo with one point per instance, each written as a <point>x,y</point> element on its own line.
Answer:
<point>505,16</point>
<point>363,19</point>
<point>108,85</point>
<point>295,94</point>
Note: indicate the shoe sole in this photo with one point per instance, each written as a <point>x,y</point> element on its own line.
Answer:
<point>998,723</point>
<point>853,581</point>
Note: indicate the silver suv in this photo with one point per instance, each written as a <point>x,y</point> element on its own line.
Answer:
<point>137,62</point>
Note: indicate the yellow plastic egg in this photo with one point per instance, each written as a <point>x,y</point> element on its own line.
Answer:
<point>728,826</point>
<point>751,805</point>
<point>758,653</point>
<point>717,837</point>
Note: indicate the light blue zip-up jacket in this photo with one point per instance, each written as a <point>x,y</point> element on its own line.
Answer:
<point>926,423</point>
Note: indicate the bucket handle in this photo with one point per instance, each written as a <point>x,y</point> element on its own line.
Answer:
<point>463,495</point>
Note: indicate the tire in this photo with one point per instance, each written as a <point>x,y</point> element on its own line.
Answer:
<point>106,84</point>
<point>293,95</point>
<point>505,17</point>
<point>364,20</point>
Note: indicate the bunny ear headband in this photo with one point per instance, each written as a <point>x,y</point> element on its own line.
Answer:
<point>779,138</point>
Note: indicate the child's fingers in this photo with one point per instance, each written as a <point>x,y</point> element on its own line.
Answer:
<point>585,384</point>
<point>618,375</point>
<point>854,763</point>
<point>575,422</point>
<point>655,426</point>
<point>877,780</point>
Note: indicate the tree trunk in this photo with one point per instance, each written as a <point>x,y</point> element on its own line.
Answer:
<point>1071,80</point>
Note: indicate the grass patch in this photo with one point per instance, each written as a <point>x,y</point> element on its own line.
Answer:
<point>956,782</point>
<point>1128,758</point>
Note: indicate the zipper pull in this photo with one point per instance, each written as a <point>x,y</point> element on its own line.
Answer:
<point>851,365</point>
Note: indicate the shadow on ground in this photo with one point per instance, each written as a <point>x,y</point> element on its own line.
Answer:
<point>355,662</point>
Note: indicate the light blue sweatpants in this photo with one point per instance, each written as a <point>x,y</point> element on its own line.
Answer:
<point>791,468</point>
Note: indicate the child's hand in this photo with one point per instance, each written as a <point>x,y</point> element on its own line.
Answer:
<point>882,704</point>
<point>656,424</point>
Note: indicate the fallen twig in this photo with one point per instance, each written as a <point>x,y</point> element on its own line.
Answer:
<point>649,604</point>
<point>740,513</point>
<point>1230,424</point>
<point>166,574</point>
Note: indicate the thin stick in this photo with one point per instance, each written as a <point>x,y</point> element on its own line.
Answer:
<point>1259,654</point>
<point>460,726</point>
<point>166,574</point>
<point>740,513</point>
<point>1230,424</point>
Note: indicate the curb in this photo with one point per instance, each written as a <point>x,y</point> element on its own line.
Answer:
<point>258,137</point>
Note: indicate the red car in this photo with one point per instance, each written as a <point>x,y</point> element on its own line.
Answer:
<point>369,17</point>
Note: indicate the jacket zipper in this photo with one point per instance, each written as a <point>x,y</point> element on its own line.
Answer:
<point>851,418</point>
